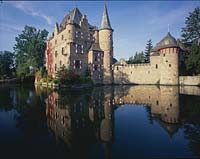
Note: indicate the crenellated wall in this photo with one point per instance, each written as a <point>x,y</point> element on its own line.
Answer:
<point>147,73</point>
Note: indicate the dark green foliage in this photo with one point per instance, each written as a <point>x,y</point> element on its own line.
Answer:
<point>191,31</point>
<point>148,48</point>
<point>67,76</point>
<point>6,64</point>
<point>193,60</point>
<point>30,50</point>
<point>138,58</point>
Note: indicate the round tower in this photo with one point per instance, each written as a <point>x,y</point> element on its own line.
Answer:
<point>169,64</point>
<point>106,44</point>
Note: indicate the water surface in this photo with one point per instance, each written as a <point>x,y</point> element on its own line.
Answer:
<point>103,122</point>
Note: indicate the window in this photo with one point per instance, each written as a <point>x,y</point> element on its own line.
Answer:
<point>79,49</point>
<point>95,67</point>
<point>76,34</point>
<point>55,41</point>
<point>77,64</point>
<point>169,65</point>
<point>156,66</point>
<point>95,57</point>
<point>117,68</point>
<point>55,67</point>
<point>69,31</point>
<point>163,54</point>
<point>157,102</point>
<point>56,54</point>
<point>63,50</point>
<point>62,37</point>
<point>60,62</point>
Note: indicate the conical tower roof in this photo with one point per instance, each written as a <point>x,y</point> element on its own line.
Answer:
<point>105,22</point>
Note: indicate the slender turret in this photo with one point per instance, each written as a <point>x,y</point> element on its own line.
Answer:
<point>106,44</point>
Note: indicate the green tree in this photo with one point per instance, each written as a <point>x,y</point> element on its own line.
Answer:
<point>138,58</point>
<point>148,48</point>
<point>6,63</point>
<point>30,50</point>
<point>191,31</point>
<point>193,60</point>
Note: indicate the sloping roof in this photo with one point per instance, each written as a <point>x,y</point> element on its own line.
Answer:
<point>105,22</point>
<point>96,47</point>
<point>167,41</point>
<point>120,62</point>
<point>74,17</point>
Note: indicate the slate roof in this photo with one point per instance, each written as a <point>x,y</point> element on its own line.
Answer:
<point>105,22</point>
<point>167,41</point>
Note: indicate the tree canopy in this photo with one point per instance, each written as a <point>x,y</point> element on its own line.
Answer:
<point>30,50</point>
<point>148,48</point>
<point>6,63</point>
<point>193,60</point>
<point>138,58</point>
<point>191,31</point>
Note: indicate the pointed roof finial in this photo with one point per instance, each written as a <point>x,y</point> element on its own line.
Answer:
<point>105,22</point>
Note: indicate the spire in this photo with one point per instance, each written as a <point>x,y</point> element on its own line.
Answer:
<point>105,22</point>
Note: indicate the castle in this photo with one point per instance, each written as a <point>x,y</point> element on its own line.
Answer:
<point>81,47</point>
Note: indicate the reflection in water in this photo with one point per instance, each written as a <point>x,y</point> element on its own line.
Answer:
<point>95,123</point>
<point>71,113</point>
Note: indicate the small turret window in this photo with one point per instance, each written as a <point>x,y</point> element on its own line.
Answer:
<point>55,67</point>
<point>156,66</point>
<point>63,50</point>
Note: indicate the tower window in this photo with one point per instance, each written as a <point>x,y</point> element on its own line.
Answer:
<point>163,54</point>
<point>56,54</point>
<point>63,50</point>
<point>157,102</point>
<point>117,68</point>
<point>169,65</point>
<point>62,37</point>
<point>156,66</point>
<point>55,67</point>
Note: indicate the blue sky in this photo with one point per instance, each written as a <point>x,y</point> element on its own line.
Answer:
<point>134,22</point>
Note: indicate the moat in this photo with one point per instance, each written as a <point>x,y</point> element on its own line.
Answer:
<point>100,122</point>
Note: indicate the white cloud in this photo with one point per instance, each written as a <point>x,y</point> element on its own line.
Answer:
<point>28,9</point>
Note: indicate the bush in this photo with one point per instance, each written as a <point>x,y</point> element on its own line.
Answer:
<point>67,76</point>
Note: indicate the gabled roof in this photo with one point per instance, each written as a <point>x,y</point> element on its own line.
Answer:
<point>95,47</point>
<point>105,22</point>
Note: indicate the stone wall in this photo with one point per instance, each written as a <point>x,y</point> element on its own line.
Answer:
<point>189,80</point>
<point>148,73</point>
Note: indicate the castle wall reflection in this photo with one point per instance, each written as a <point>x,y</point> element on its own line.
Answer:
<point>77,118</point>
